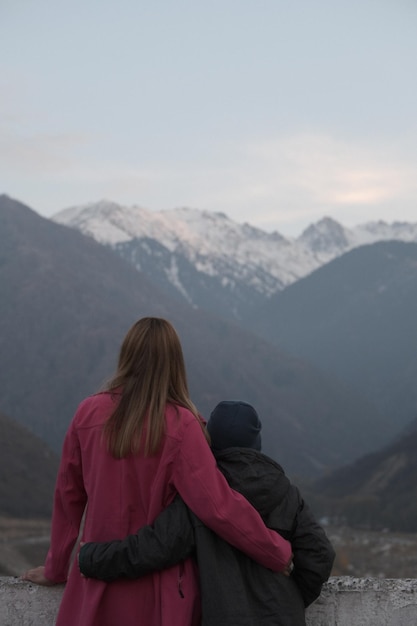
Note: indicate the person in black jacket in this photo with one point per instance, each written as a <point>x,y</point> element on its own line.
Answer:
<point>235,590</point>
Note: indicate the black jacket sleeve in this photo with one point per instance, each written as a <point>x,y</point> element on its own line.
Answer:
<point>313,553</point>
<point>169,540</point>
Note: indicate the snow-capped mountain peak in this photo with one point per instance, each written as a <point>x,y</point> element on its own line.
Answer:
<point>106,221</point>
<point>326,237</point>
<point>195,251</point>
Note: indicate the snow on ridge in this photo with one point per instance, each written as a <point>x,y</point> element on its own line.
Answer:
<point>173,275</point>
<point>108,222</point>
<point>371,232</point>
<point>197,232</point>
<point>217,245</point>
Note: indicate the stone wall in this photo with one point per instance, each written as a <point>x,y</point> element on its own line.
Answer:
<point>345,601</point>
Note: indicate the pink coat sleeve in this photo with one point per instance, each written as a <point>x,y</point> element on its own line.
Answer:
<point>69,504</point>
<point>205,490</point>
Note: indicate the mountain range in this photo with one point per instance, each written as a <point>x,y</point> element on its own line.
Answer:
<point>343,299</point>
<point>327,354</point>
<point>214,263</point>
<point>66,304</point>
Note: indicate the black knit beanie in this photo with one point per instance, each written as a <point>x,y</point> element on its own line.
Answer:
<point>234,423</point>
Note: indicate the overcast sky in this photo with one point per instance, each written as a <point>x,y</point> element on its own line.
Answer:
<point>276,112</point>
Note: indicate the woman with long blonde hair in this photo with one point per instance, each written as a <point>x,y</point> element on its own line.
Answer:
<point>128,451</point>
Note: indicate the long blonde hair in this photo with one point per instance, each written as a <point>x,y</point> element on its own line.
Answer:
<point>150,374</point>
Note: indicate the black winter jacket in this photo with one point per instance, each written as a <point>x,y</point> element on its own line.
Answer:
<point>235,590</point>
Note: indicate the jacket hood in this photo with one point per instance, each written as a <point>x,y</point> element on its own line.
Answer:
<point>256,476</point>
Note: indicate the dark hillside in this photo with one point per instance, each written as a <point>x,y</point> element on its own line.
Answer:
<point>63,298</point>
<point>376,491</point>
<point>356,318</point>
<point>28,471</point>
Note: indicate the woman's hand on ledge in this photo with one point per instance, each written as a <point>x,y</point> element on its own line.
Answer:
<point>37,576</point>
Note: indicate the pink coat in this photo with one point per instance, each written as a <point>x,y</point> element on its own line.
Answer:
<point>123,495</point>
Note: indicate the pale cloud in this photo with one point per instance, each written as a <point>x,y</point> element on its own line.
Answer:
<point>333,171</point>
<point>291,180</point>
<point>70,157</point>
<point>361,196</point>
<point>303,177</point>
<point>39,154</point>
<point>278,184</point>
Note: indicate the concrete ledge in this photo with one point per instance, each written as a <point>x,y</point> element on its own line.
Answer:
<point>24,604</point>
<point>345,601</point>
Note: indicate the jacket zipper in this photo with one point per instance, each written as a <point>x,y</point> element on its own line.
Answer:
<point>180,579</point>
